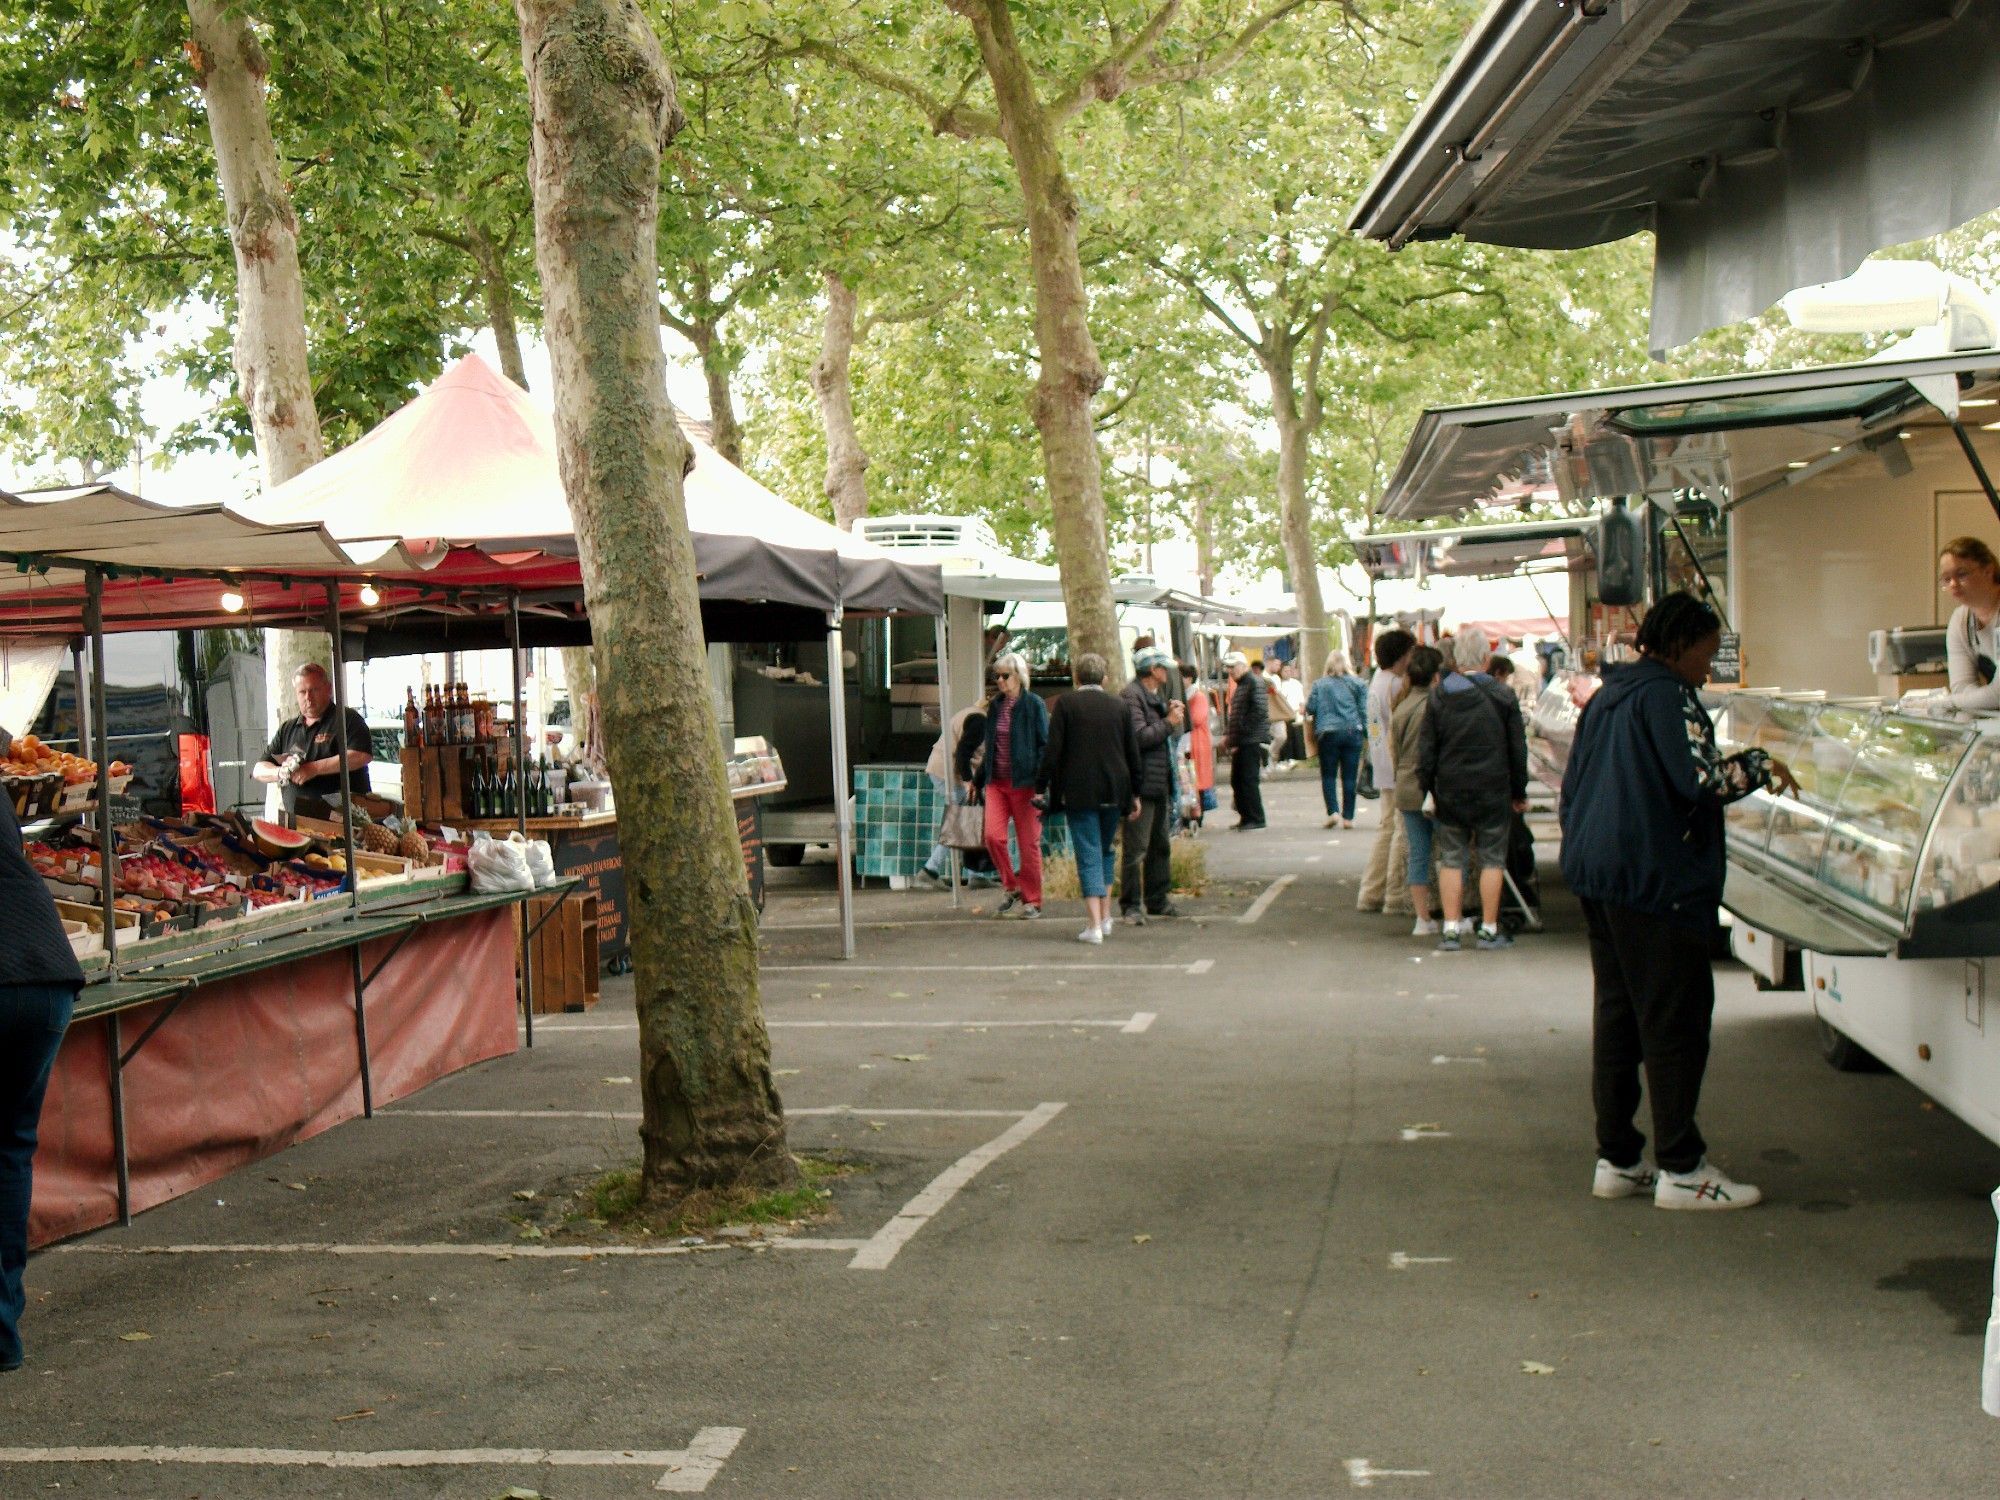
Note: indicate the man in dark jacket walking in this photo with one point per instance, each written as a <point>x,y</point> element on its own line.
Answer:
<point>1145,875</point>
<point>1090,774</point>
<point>1249,729</point>
<point>1643,850</point>
<point>1473,761</point>
<point>39,979</point>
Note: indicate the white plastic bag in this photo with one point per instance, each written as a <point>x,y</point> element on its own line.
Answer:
<point>498,865</point>
<point>541,863</point>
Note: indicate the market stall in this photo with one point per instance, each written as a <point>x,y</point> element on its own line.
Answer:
<point>466,475</point>
<point>284,981</point>
<point>1811,506</point>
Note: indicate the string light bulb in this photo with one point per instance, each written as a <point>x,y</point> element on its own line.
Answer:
<point>368,596</point>
<point>231,601</point>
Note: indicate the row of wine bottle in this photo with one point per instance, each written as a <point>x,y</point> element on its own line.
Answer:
<point>517,791</point>
<point>449,715</point>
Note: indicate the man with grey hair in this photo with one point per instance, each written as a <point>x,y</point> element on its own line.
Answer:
<point>303,758</point>
<point>1474,764</point>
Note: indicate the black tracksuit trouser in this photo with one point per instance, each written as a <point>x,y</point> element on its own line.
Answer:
<point>1655,998</point>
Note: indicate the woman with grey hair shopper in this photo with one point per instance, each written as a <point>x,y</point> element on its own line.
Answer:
<point>1090,773</point>
<point>1017,732</point>
<point>1473,760</point>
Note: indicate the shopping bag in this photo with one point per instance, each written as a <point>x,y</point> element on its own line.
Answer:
<point>963,827</point>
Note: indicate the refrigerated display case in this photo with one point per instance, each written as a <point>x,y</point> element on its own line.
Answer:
<point>1891,847</point>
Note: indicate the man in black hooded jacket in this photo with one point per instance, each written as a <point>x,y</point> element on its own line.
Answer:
<point>1145,873</point>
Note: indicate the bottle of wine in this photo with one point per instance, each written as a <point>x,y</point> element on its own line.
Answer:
<point>413,733</point>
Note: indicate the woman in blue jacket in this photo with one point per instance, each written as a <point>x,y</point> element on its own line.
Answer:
<point>1642,848</point>
<point>1337,709</point>
<point>1017,732</point>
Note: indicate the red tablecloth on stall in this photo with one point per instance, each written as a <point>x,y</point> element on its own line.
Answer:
<point>250,1065</point>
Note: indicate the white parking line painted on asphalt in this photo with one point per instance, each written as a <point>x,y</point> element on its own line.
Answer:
<point>1201,966</point>
<point>1440,1060</point>
<point>1362,1474</point>
<point>688,1470</point>
<point>1118,1023</point>
<point>1263,903</point>
<point>481,1252</point>
<point>882,1247</point>
<point>633,1114</point>
<point>1424,1133</point>
<point>1141,1021</point>
<point>1112,968</point>
<point>1398,1261</point>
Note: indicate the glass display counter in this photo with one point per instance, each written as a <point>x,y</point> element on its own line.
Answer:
<point>1891,845</point>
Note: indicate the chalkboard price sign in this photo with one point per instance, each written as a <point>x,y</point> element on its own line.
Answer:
<point>1727,668</point>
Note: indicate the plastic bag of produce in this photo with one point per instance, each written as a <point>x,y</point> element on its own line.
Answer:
<point>498,865</point>
<point>541,863</point>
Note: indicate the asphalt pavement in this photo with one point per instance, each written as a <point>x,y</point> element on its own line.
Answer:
<point>1285,1207</point>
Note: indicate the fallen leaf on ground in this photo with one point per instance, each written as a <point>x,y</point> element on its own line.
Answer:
<point>355,1416</point>
<point>515,1492</point>
<point>899,994</point>
<point>297,1187</point>
<point>1426,1125</point>
<point>614,1080</point>
<point>874,1124</point>
<point>784,1072</point>
<point>133,1338</point>
<point>1536,1367</point>
<point>911,1056</point>
<point>1140,1239</point>
<point>526,1195</point>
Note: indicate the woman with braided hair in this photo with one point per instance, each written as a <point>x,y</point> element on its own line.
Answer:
<point>1642,848</point>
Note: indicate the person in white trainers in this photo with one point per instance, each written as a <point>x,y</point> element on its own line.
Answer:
<point>1642,848</point>
<point>1090,773</point>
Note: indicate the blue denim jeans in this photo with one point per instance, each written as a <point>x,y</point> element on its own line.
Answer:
<point>1093,836</point>
<point>1418,826</point>
<point>33,1018</point>
<point>1339,772</point>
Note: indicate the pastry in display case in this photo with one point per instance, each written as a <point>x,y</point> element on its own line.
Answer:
<point>1897,823</point>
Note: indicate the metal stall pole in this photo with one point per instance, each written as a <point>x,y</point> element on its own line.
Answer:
<point>338,671</point>
<point>944,733</point>
<point>521,806</point>
<point>843,833</point>
<point>98,729</point>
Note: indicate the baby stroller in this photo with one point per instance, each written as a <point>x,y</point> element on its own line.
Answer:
<point>1521,892</point>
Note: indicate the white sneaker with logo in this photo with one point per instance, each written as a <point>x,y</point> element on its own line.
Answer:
<point>1092,934</point>
<point>1707,1187</point>
<point>1622,1182</point>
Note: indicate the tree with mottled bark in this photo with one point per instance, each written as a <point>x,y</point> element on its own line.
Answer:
<point>273,376</point>
<point>1042,68</point>
<point>604,108</point>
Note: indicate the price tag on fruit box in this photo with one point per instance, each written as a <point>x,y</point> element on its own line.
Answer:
<point>451,835</point>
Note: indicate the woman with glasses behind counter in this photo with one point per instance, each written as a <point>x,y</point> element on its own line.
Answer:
<point>1970,574</point>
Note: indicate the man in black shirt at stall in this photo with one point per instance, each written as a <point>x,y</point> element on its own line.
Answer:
<point>316,738</point>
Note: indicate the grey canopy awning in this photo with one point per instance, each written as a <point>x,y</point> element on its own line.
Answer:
<point>1769,144</point>
<point>1478,551</point>
<point>1731,438</point>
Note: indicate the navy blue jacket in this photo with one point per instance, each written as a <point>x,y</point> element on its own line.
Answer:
<point>1030,739</point>
<point>1643,795</point>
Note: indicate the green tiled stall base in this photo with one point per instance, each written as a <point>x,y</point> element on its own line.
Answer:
<point>897,810</point>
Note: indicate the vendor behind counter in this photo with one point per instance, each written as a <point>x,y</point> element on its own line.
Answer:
<point>316,738</point>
